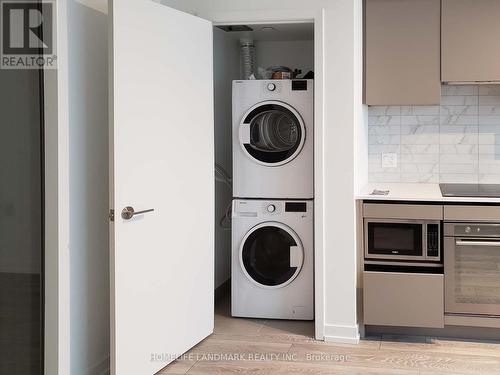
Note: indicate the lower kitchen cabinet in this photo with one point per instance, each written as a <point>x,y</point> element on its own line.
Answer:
<point>403,299</point>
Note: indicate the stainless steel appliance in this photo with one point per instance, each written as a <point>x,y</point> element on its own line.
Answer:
<point>472,268</point>
<point>399,239</point>
<point>470,190</point>
<point>403,282</point>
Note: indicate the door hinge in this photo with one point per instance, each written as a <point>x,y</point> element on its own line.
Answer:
<point>111,215</point>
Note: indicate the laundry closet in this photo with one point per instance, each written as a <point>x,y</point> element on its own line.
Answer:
<point>238,98</point>
<point>264,191</point>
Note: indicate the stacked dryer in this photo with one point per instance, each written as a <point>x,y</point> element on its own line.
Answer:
<point>272,215</point>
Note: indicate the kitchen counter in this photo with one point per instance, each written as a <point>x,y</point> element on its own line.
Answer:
<point>414,192</point>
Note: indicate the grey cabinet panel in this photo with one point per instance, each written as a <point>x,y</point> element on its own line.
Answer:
<point>403,299</point>
<point>402,52</point>
<point>470,40</point>
<point>403,211</point>
<point>472,213</point>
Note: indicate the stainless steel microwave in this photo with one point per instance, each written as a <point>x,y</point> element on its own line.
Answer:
<point>393,239</point>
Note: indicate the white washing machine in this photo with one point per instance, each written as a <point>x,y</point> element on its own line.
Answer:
<point>272,259</point>
<point>273,139</point>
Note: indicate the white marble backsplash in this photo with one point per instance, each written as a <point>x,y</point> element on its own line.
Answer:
<point>458,141</point>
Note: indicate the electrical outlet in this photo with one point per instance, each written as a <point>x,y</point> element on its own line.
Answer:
<point>390,160</point>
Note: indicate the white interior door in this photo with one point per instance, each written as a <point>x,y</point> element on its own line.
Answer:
<point>162,158</point>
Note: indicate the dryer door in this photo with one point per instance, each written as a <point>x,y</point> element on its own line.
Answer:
<point>271,255</point>
<point>272,133</point>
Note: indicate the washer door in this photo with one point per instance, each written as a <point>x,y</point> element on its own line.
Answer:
<point>272,133</point>
<point>271,255</point>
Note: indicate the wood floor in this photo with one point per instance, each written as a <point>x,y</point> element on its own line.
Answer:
<point>267,347</point>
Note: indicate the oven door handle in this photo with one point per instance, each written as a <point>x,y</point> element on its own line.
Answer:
<point>477,243</point>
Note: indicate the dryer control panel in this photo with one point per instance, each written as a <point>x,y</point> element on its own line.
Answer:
<point>271,87</point>
<point>295,207</point>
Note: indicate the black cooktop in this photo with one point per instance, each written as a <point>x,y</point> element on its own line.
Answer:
<point>470,190</point>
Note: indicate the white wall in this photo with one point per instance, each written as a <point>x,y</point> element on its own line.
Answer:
<point>57,206</point>
<point>342,113</point>
<point>76,195</point>
<point>226,68</point>
<point>293,54</point>
<point>88,189</point>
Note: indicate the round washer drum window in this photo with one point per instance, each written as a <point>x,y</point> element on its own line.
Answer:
<point>266,256</point>
<point>275,134</point>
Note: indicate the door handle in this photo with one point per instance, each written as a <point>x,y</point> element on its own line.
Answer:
<point>477,243</point>
<point>128,212</point>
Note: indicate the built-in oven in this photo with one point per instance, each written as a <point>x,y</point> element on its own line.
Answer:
<point>472,268</point>
<point>402,240</point>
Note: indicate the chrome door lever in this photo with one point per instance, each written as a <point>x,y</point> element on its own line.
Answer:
<point>128,212</point>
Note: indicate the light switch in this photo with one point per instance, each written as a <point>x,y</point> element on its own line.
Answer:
<point>390,160</point>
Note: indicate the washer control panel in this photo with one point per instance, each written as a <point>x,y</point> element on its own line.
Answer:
<point>266,208</point>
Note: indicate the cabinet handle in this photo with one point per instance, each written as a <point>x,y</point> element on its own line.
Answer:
<point>477,243</point>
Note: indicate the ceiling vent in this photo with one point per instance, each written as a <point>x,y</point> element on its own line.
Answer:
<point>233,28</point>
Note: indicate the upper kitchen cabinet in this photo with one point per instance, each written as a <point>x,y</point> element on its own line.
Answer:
<point>402,52</point>
<point>470,40</point>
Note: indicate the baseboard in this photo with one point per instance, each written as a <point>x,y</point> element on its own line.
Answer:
<point>100,368</point>
<point>342,334</point>
<point>451,332</point>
